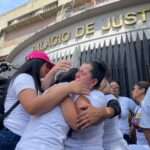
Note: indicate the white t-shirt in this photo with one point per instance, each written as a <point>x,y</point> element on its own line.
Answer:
<point>44,132</point>
<point>127,105</point>
<point>139,147</point>
<point>141,140</point>
<point>18,118</point>
<point>145,117</point>
<point>47,131</point>
<point>90,138</point>
<point>113,139</point>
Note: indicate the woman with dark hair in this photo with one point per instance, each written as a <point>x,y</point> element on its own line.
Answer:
<point>24,88</point>
<point>66,76</point>
<point>48,131</point>
<point>127,107</point>
<point>112,139</point>
<point>138,94</point>
<point>90,138</point>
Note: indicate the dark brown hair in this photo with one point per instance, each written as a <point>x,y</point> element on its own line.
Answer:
<point>143,85</point>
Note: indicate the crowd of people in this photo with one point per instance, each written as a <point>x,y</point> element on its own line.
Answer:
<point>65,108</point>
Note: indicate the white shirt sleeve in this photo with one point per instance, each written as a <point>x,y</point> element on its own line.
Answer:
<point>110,97</point>
<point>23,81</point>
<point>97,98</point>
<point>131,105</point>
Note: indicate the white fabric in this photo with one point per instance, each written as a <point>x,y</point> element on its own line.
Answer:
<point>145,118</point>
<point>113,139</point>
<point>18,118</point>
<point>44,132</point>
<point>110,97</point>
<point>139,147</point>
<point>127,105</point>
<point>141,140</point>
<point>90,138</point>
<point>117,145</point>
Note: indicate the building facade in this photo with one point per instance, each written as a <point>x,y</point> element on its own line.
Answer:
<point>18,25</point>
<point>115,31</point>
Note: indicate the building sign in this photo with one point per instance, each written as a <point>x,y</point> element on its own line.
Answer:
<point>61,38</point>
<point>88,29</point>
<point>128,19</point>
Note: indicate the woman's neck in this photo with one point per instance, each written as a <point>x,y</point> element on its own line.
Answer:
<point>140,98</point>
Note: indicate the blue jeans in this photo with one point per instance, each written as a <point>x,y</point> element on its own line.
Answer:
<point>8,139</point>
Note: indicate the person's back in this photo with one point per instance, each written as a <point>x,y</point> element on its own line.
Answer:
<point>90,138</point>
<point>113,138</point>
<point>44,132</point>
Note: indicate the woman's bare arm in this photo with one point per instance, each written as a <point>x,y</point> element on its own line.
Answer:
<point>48,80</point>
<point>35,105</point>
<point>71,109</point>
<point>69,112</point>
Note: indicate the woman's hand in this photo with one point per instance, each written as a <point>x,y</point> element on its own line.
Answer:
<point>62,65</point>
<point>48,80</point>
<point>78,87</point>
<point>93,115</point>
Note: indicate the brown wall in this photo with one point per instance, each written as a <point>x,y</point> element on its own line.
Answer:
<point>19,34</point>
